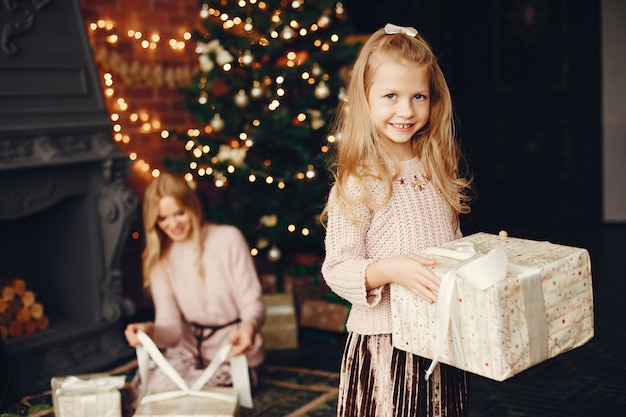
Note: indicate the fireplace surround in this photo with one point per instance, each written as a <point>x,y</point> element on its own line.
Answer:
<point>65,210</point>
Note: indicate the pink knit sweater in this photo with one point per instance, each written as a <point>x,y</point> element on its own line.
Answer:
<point>231,289</point>
<point>413,220</point>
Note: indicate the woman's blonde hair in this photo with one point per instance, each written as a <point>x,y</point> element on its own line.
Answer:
<point>360,151</point>
<point>157,242</point>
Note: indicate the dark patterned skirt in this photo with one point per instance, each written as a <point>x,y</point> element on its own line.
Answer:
<point>379,380</point>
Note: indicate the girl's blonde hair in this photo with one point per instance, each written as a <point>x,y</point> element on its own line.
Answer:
<point>360,151</point>
<point>157,242</point>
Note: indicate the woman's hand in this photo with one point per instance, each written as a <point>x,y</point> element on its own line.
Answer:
<point>243,340</point>
<point>131,332</point>
<point>411,271</point>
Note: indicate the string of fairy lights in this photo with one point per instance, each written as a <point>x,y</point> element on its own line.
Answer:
<point>146,122</point>
<point>212,54</point>
<point>235,151</point>
<point>153,41</point>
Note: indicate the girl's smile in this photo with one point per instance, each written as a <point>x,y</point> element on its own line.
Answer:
<point>399,103</point>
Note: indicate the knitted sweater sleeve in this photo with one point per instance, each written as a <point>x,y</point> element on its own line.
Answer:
<point>168,321</point>
<point>346,257</point>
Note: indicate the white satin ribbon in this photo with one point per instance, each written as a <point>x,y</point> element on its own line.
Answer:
<point>391,29</point>
<point>238,368</point>
<point>105,382</point>
<point>483,271</point>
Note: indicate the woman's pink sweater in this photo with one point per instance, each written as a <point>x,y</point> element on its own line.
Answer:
<point>230,289</point>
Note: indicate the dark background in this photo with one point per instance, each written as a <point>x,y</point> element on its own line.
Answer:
<point>526,84</point>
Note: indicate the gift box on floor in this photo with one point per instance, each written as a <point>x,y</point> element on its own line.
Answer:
<point>193,400</point>
<point>280,330</point>
<point>323,315</point>
<point>94,395</point>
<point>222,404</point>
<point>504,305</point>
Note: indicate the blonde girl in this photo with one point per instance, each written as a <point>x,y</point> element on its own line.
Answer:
<point>398,189</point>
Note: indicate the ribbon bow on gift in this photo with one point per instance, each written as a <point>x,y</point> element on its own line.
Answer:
<point>483,271</point>
<point>391,29</point>
<point>238,366</point>
<point>106,382</point>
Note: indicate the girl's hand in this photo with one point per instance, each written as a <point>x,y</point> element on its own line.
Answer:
<point>503,233</point>
<point>243,339</point>
<point>131,332</point>
<point>410,270</point>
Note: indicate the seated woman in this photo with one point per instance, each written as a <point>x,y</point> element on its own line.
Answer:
<point>203,283</point>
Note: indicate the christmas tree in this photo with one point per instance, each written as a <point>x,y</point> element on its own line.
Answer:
<point>271,74</point>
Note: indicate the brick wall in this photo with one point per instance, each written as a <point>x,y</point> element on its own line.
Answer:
<point>144,85</point>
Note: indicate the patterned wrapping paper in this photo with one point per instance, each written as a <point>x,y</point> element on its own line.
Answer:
<point>192,406</point>
<point>495,336</point>
<point>94,395</point>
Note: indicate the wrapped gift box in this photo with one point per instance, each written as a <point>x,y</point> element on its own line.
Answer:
<point>193,400</point>
<point>323,315</point>
<point>540,306</point>
<point>280,330</point>
<point>192,405</point>
<point>94,395</point>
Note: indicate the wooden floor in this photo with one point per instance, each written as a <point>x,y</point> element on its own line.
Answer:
<point>589,381</point>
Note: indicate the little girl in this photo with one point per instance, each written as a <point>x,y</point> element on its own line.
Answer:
<point>398,190</point>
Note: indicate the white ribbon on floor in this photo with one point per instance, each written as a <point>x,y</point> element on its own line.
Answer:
<point>483,271</point>
<point>238,369</point>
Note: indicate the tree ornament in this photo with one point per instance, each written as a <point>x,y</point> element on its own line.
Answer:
<point>246,59</point>
<point>322,91</point>
<point>274,254</point>
<point>235,156</point>
<point>256,91</point>
<point>215,49</point>
<point>262,243</point>
<point>339,10</point>
<point>248,26</point>
<point>324,21</point>
<point>317,121</point>
<point>241,98</point>
<point>342,94</point>
<point>269,220</point>
<point>288,33</point>
<point>217,123</point>
<point>316,70</point>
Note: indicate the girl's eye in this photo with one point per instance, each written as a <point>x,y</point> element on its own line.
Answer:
<point>420,97</point>
<point>390,96</point>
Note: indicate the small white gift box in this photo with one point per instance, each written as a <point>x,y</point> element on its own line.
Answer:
<point>197,400</point>
<point>96,395</point>
<point>505,304</point>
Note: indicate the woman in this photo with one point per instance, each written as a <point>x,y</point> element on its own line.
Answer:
<point>203,284</point>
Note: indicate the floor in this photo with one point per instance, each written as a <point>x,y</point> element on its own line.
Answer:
<point>589,381</point>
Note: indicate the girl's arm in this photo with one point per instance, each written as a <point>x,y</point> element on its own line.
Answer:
<point>353,276</point>
<point>411,271</point>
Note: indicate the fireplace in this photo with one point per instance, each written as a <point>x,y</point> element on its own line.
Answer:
<point>64,207</point>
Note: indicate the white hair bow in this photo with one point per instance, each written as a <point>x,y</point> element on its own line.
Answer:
<point>391,29</point>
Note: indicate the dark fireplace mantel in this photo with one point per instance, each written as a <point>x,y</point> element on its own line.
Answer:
<point>64,207</point>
